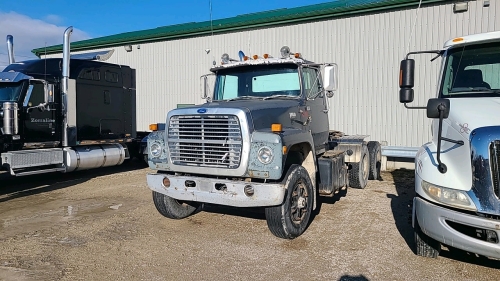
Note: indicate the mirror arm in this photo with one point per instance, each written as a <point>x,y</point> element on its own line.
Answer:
<point>441,166</point>
<point>414,107</point>
<point>459,142</point>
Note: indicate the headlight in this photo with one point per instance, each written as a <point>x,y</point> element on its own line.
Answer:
<point>452,197</point>
<point>155,150</point>
<point>265,155</point>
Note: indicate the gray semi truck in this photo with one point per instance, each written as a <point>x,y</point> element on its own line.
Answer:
<point>262,139</point>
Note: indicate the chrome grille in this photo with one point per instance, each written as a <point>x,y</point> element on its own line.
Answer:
<point>205,140</point>
<point>495,166</point>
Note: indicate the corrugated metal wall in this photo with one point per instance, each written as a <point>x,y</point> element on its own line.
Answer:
<point>367,48</point>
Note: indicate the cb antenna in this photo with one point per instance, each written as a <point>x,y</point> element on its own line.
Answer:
<point>413,28</point>
<point>212,32</point>
<point>45,63</point>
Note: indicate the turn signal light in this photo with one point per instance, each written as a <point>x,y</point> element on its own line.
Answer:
<point>276,128</point>
<point>153,127</point>
<point>166,182</point>
<point>285,149</point>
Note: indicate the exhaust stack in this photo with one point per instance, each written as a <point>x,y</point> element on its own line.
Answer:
<point>65,81</point>
<point>10,49</point>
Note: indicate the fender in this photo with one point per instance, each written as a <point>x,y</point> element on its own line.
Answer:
<point>291,137</point>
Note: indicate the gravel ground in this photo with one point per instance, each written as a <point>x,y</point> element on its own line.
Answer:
<point>97,225</point>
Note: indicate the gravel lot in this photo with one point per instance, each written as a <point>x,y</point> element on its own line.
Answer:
<point>102,224</point>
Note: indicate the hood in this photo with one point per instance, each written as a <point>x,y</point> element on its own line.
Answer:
<point>262,113</point>
<point>467,114</point>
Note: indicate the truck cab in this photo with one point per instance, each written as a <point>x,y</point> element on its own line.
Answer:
<point>261,140</point>
<point>61,118</point>
<point>457,174</point>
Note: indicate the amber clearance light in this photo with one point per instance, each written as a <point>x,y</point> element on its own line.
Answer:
<point>276,128</point>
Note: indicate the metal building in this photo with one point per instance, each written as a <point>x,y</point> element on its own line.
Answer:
<point>366,38</point>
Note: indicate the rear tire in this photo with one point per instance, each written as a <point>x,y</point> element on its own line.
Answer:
<point>173,208</point>
<point>290,219</point>
<point>358,174</point>
<point>375,152</point>
<point>424,245</point>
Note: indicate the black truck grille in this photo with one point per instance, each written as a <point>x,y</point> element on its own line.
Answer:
<point>205,140</point>
<point>495,166</point>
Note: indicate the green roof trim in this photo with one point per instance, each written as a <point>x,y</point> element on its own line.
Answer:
<point>247,21</point>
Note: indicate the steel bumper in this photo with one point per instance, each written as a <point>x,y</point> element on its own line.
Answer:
<point>204,190</point>
<point>432,220</point>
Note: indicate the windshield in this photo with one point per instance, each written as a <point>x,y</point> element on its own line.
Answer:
<point>472,71</point>
<point>10,91</point>
<point>257,82</point>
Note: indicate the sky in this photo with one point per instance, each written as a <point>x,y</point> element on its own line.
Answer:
<point>38,23</point>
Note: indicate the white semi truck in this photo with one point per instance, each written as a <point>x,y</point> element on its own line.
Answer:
<point>457,174</point>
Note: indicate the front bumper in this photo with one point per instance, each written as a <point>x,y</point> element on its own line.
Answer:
<point>433,222</point>
<point>204,190</point>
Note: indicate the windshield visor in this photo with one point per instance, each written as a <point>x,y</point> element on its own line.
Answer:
<point>472,71</point>
<point>258,82</point>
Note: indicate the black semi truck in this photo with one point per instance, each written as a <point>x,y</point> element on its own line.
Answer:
<point>66,114</point>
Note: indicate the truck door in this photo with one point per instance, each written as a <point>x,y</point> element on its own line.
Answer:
<point>316,110</point>
<point>39,123</point>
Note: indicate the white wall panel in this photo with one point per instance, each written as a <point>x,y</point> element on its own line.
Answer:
<point>368,49</point>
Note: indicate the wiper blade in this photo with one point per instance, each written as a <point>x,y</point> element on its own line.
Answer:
<point>245,98</point>
<point>476,91</point>
<point>279,96</point>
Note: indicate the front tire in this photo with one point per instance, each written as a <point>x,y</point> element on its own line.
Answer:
<point>424,245</point>
<point>290,219</point>
<point>173,208</point>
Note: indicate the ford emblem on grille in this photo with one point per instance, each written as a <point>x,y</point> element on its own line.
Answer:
<point>202,110</point>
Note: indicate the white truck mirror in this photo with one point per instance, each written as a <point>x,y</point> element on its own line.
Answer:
<point>330,80</point>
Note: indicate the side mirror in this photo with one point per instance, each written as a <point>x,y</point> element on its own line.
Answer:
<point>49,93</point>
<point>435,106</point>
<point>406,95</point>
<point>406,80</point>
<point>330,81</point>
<point>205,92</point>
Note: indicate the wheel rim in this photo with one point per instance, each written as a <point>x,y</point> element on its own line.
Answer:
<point>299,202</point>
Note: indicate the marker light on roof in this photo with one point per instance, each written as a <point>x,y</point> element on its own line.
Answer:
<point>285,52</point>
<point>458,39</point>
<point>266,56</point>
<point>225,59</point>
<point>297,55</point>
<point>245,58</point>
<point>255,57</point>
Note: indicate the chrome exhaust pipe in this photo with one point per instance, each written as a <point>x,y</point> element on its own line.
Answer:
<point>10,49</point>
<point>65,81</point>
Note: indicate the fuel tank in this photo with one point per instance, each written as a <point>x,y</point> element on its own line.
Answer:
<point>94,156</point>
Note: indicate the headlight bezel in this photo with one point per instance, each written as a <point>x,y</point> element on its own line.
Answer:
<point>263,151</point>
<point>155,150</point>
<point>447,196</point>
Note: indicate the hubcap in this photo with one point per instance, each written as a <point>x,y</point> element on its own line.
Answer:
<point>299,202</point>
